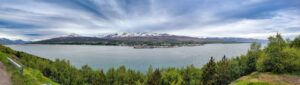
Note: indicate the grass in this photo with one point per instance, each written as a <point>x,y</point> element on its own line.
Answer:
<point>291,74</point>
<point>254,75</point>
<point>30,76</point>
<point>295,74</point>
<point>255,83</point>
<point>253,79</point>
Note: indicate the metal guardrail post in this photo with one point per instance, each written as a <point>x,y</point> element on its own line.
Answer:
<point>17,65</point>
<point>46,84</point>
<point>21,71</point>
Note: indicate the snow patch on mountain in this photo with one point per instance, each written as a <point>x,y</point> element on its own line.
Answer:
<point>124,34</point>
<point>73,35</point>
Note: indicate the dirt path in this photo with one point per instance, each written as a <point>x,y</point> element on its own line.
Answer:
<point>282,79</point>
<point>270,78</point>
<point>4,76</point>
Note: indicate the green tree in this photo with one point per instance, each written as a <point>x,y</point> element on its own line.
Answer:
<point>291,60</point>
<point>122,75</point>
<point>98,78</point>
<point>235,70</point>
<point>187,75</point>
<point>253,54</point>
<point>223,77</point>
<point>87,73</point>
<point>208,74</point>
<point>111,76</point>
<point>149,74</point>
<point>171,76</point>
<point>275,46</point>
<point>295,43</point>
<point>155,79</point>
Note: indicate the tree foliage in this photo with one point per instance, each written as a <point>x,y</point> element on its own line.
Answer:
<point>209,71</point>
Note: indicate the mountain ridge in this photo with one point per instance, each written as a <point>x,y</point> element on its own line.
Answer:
<point>140,39</point>
<point>8,41</point>
<point>236,39</point>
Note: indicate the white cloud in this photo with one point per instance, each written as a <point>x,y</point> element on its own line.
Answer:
<point>250,28</point>
<point>192,18</point>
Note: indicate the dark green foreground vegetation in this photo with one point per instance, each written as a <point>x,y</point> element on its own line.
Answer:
<point>30,76</point>
<point>280,56</point>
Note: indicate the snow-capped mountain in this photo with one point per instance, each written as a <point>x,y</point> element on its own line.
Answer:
<point>73,35</point>
<point>121,38</point>
<point>116,35</point>
<point>137,39</point>
<point>123,35</point>
<point>148,37</point>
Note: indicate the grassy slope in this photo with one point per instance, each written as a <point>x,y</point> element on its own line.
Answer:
<point>268,79</point>
<point>30,77</point>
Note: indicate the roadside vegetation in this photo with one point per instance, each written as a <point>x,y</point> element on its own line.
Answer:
<point>279,57</point>
<point>30,76</point>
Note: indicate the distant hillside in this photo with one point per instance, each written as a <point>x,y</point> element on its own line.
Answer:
<point>73,39</point>
<point>8,41</point>
<point>144,39</point>
<point>149,37</point>
<point>130,39</point>
<point>232,39</point>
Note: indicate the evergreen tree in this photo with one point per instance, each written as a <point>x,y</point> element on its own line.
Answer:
<point>122,75</point>
<point>208,74</point>
<point>187,75</point>
<point>223,77</point>
<point>99,78</point>
<point>149,74</point>
<point>155,80</point>
<point>111,76</point>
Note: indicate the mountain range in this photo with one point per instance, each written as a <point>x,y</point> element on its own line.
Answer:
<point>8,41</point>
<point>234,39</point>
<point>148,39</point>
<point>130,39</point>
<point>134,39</point>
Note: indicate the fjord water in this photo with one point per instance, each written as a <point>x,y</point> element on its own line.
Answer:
<point>105,57</point>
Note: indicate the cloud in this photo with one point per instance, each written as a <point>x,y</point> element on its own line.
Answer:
<point>282,22</point>
<point>42,19</point>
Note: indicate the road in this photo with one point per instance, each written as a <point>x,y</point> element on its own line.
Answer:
<point>4,76</point>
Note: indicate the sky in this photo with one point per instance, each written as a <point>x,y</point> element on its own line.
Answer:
<point>43,19</point>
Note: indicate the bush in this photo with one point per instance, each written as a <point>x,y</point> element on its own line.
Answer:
<point>263,64</point>
<point>291,60</point>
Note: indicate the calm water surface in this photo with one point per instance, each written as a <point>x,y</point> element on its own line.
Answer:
<point>105,57</point>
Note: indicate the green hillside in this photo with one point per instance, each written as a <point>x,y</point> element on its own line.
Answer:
<point>30,76</point>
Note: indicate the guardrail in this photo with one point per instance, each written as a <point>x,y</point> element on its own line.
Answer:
<point>17,65</point>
